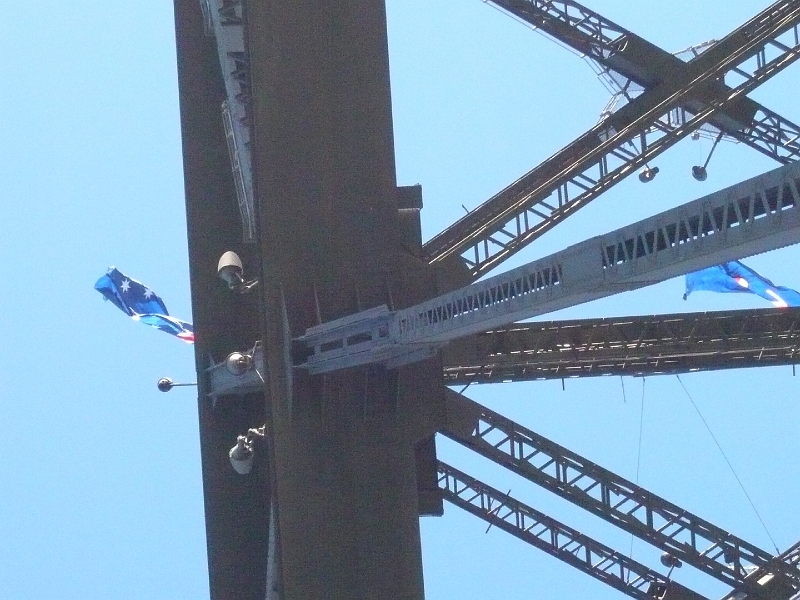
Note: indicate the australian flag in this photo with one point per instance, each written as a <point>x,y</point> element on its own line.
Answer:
<point>141,304</point>
<point>735,277</point>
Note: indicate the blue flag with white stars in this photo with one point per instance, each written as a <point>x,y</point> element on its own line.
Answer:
<point>735,277</point>
<point>140,303</point>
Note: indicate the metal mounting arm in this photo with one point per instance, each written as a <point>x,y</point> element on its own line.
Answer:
<point>615,148</point>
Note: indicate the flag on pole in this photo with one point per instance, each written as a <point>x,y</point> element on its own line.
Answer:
<point>734,277</point>
<point>141,304</point>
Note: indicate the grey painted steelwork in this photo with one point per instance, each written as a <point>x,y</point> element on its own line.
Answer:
<point>611,497</point>
<point>569,545</point>
<point>755,216</point>
<point>620,144</point>
<point>225,21</point>
<point>633,65</point>
<point>223,382</point>
<point>631,346</point>
<point>366,337</point>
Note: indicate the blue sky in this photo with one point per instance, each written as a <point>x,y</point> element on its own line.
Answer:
<point>100,489</point>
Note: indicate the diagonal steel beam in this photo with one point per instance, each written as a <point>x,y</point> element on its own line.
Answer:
<point>615,148</point>
<point>636,346</point>
<point>639,61</point>
<point>569,545</point>
<point>611,497</point>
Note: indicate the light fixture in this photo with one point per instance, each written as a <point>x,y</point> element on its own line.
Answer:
<point>699,173</point>
<point>243,453</point>
<point>647,174</point>
<point>165,384</point>
<point>231,272</point>
<point>670,561</point>
<point>238,363</point>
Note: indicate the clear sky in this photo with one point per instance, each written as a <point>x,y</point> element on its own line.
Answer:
<point>100,487</point>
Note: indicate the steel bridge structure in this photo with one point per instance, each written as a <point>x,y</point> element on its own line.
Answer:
<point>346,346</point>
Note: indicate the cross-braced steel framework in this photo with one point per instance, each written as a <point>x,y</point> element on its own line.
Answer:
<point>665,99</point>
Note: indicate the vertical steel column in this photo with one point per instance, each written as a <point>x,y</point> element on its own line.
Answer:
<point>341,446</point>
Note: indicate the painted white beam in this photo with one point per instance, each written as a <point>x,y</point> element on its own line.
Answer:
<point>757,215</point>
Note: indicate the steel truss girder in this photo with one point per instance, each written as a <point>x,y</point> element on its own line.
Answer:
<point>609,496</point>
<point>637,60</point>
<point>224,19</point>
<point>771,134</point>
<point>618,145</point>
<point>754,216</point>
<point>563,542</point>
<point>635,346</point>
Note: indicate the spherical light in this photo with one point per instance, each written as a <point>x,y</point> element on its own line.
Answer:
<point>238,363</point>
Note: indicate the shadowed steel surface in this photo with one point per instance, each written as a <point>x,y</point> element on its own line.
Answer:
<point>636,346</point>
<point>611,497</point>
<point>303,87</point>
<point>236,508</point>
<point>341,448</point>
<point>618,145</point>
<point>569,545</point>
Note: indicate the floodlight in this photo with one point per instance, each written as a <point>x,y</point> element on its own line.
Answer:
<point>241,456</point>
<point>648,174</point>
<point>699,173</point>
<point>670,561</point>
<point>243,453</point>
<point>231,272</point>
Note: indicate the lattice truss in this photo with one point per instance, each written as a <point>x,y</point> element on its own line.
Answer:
<point>658,99</point>
<point>704,92</point>
<point>627,139</point>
